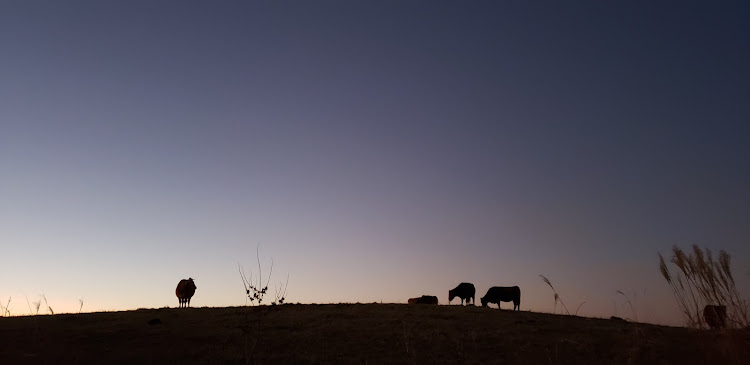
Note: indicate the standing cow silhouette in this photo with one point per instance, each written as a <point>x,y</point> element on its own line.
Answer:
<point>498,294</point>
<point>185,290</point>
<point>465,291</point>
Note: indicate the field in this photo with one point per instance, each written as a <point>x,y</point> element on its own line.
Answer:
<point>358,334</point>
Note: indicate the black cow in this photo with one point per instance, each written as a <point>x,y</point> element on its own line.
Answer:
<point>185,290</point>
<point>465,291</point>
<point>715,316</point>
<point>425,299</point>
<point>498,294</point>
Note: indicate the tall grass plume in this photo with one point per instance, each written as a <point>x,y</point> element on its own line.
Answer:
<point>699,281</point>
<point>557,296</point>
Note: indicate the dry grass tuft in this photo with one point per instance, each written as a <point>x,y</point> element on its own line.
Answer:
<point>4,311</point>
<point>47,304</point>
<point>702,281</point>
<point>630,303</point>
<point>557,296</point>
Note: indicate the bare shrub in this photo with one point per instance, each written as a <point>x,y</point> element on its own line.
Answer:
<point>699,281</point>
<point>255,291</point>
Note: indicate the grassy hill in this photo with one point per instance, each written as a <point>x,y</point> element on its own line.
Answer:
<point>357,333</point>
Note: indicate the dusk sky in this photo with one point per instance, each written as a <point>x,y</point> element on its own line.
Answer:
<point>376,151</point>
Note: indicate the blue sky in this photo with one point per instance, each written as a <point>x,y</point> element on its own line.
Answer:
<point>375,150</point>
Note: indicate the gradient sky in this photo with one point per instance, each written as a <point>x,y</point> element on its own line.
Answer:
<point>375,150</point>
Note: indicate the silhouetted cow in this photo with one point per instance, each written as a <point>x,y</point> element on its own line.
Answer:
<point>465,291</point>
<point>498,294</point>
<point>715,316</point>
<point>425,299</point>
<point>185,290</point>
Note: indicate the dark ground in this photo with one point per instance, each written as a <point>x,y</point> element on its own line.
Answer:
<point>357,334</point>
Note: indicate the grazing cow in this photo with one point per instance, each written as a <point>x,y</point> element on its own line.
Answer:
<point>425,299</point>
<point>498,294</point>
<point>465,291</point>
<point>185,290</point>
<point>715,316</point>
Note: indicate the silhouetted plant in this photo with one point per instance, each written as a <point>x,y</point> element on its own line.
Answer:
<point>255,292</point>
<point>701,281</point>
<point>280,295</point>
<point>28,304</point>
<point>579,307</point>
<point>4,311</point>
<point>557,296</point>
<point>38,304</point>
<point>47,304</point>
<point>630,303</point>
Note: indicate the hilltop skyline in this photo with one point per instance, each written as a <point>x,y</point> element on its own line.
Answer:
<point>376,151</point>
